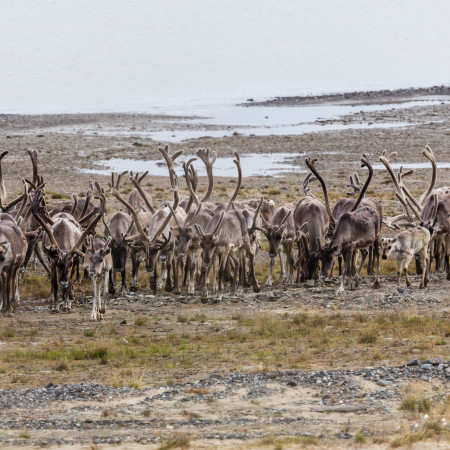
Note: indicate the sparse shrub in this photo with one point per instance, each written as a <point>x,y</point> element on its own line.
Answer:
<point>360,438</point>
<point>9,333</point>
<point>369,337</point>
<point>180,440</point>
<point>24,434</point>
<point>146,413</point>
<point>182,319</point>
<point>140,321</point>
<point>62,366</point>
<point>89,333</point>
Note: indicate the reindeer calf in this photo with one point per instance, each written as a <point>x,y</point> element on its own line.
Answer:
<point>408,243</point>
<point>98,261</point>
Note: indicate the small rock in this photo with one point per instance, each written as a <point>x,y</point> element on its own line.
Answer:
<point>412,362</point>
<point>384,383</point>
<point>309,283</point>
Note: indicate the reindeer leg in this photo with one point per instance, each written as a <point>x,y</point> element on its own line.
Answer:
<point>340,264</point>
<point>169,265</point>
<point>105,292</point>
<point>219,257</point>
<point>124,289</point>
<point>54,305</point>
<point>177,265</point>
<point>376,256</point>
<point>269,281</point>
<point>370,262</point>
<point>347,256</point>
<point>424,281</point>
<point>111,288</point>
<point>237,262</point>
<point>405,269</point>
<point>94,299</point>
<point>134,271</point>
<point>358,272</point>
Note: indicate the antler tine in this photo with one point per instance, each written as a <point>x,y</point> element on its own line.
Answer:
<point>119,177</point>
<point>195,215</point>
<point>265,223</point>
<point>33,157</point>
<point>310,163</point>
<point>192,195</point>
<point>136,180</point>
<point>143,176</point>
<point>236,161</point>
<point>306,190</point>
<point>356,186</point>
<point>208,158</point>
<point>75,204</point>
<point>358,181</point>
<point>255,217</point>
<point>89,194</point>
<point>199,230</point>
<point>134,214</point>
<point>170,159</point>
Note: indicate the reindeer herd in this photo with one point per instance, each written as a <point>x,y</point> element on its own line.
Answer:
<point>184,239</point>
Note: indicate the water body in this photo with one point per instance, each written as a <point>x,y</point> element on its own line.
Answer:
<point>154,56</point>
<point>252,164</point>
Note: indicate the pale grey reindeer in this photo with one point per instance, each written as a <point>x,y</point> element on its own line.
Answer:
<point>409,243</point>
<point>98,262</point>
<point>280,232</point>
<point>13,247</point>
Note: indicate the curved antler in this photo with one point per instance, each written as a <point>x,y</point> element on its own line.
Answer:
<point>208,158</point>
<point>237,161</point>
<point>428,153</point>
<point>310,163</point>
<point>364,163</point>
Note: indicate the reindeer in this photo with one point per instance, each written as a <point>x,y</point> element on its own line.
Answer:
<point>225,236</point>
<point>98,262</point>
<point>280,232</point>
<point>422,211</point>
<point>312,211</point>
<point>405,246</point>
<point>158,226</point>
<point>357,229</point>
<point>62,241</point>
<point>13,246</point>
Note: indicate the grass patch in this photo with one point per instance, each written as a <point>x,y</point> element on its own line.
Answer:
<point>24,434</point>
<point>89,333</point>
<point>369,337</point>
<point>179,441</point>
<point>140,321</point>
<point>360,438</point>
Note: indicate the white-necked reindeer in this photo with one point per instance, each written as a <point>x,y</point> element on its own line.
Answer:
<point>98,261</point>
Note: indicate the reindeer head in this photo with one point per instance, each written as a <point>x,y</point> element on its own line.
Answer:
<point>208,241</point>
<point>386,245</point>
<point>275,234</point>
<point>94,258</point>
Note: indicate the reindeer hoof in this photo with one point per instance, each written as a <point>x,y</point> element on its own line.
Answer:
<point>168,288</point>
<point>256,287</point>
<point>103,310</point>
<point>134,288</point>
<point>377,284</point>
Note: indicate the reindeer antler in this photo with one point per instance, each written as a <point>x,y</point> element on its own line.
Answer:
<point>208,158</point>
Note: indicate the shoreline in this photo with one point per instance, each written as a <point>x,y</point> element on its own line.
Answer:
<point>359,97</point>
